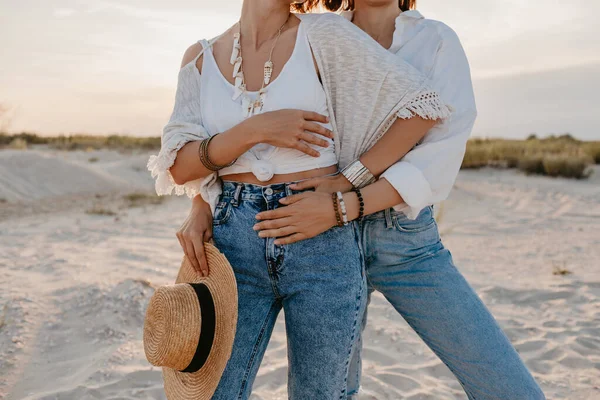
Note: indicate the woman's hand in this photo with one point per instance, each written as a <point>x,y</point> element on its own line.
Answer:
<point>196,229</point>
<point>325,184</point>
<point>293,129</point>
<point>306,215</point>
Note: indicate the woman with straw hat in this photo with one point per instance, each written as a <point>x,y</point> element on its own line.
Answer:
<point>274,100</point>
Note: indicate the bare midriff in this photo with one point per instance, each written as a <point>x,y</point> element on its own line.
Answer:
<point>249,177</point>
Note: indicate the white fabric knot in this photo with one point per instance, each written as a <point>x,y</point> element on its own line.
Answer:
<point>263,170</point>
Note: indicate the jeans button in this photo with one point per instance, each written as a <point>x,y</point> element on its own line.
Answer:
<point>269,191</point>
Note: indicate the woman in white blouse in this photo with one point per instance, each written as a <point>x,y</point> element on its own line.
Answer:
<point>405,258</point>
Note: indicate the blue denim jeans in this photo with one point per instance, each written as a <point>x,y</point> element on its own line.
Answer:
<point>407,262</point>
<point>319,283</point>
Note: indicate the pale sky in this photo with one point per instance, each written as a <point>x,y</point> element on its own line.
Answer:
<point>110,66</point>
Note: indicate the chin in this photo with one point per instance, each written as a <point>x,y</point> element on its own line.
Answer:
<point>377,3</point>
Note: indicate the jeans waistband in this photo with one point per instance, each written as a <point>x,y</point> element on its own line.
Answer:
<point>236,191</point>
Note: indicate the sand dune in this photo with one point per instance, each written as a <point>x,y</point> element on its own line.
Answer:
<point>74,286</point>
<point>34,175</point>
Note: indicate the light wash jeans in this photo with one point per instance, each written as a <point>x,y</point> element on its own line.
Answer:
<point>407,262</point>
<point>319,283</point>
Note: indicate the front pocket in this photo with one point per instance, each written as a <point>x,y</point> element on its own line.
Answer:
<point>222,213</point>
<point>422,223</point>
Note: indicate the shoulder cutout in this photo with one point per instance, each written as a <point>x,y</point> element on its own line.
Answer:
<point>191,54</point>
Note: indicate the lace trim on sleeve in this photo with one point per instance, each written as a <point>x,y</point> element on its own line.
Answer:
<point>159,166</point>
<point>184,126</point>
<point>427,105</point>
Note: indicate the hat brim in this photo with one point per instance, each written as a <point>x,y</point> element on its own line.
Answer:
<point>221,282</point>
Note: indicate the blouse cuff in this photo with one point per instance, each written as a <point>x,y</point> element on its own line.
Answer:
<point>159,166</point>
<point>427,105</point>
<point>411,184</point>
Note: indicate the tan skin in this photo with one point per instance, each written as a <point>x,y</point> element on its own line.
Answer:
<point>307,214</point>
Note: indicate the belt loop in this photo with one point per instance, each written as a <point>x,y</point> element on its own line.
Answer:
<point>389,223</point>
<point>236,196</point>
<point>288,191</point>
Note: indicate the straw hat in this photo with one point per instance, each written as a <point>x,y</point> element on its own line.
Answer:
<point>190,327</point>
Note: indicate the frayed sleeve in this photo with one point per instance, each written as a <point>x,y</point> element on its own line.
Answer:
<point>184,126</point>
<point>428,105</point>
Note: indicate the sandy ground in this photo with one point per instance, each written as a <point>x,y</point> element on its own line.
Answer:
<point>79,260</point>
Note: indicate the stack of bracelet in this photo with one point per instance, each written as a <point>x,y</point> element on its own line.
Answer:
<point>361,202</point>
<point>340,205</point>
<point>205,159</point>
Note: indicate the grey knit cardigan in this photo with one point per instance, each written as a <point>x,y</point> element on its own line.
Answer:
<point>366,87</point>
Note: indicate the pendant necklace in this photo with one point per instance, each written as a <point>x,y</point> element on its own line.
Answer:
<point>250,107</point>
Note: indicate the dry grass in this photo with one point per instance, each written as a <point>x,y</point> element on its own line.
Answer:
<point>18,144</point>
<point>567,166</point>
<point>101,211</point>
<point>593,150</point>
<point>562,156</point>
<point>560,269</point>
<point>84,142</point>
<point>139,199</point>
<point>3,316</point>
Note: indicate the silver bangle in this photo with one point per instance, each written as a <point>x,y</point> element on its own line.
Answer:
<point>358,175</point>
<point>343,207</point>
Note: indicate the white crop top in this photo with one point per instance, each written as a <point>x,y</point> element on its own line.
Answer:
<point>296,87</point>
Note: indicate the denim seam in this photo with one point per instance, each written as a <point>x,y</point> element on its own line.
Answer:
<point>357,238</point>
<point>402,229</point>
<point>272,278</point>
<point>254,351</point>
<point>227,210</point>
<point>343,394</point>
<point>389,220</point>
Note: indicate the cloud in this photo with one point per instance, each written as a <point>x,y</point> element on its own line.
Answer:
<point>63,12</point>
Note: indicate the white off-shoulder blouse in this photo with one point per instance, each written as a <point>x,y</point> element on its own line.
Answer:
<point>367,89</point>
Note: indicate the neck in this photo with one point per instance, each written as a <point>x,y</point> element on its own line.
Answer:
<point>378,21</point>
<point>261,20</point>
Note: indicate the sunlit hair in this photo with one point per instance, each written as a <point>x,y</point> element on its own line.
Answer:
<point>343,5</point>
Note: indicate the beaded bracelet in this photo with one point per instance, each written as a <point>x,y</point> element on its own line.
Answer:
<point>337,211</point>
<point>340,197</point>
<point>361,202</point>
<point>205,159</point>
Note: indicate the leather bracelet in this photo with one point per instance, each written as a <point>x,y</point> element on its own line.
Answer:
<point>336,209</point>
<point>361,203</point>
<point>205,159</point>
<point>358,175</point>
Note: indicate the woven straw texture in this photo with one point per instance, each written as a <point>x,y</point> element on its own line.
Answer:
<point>172,328</point>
